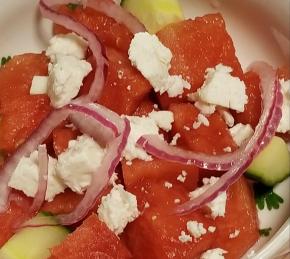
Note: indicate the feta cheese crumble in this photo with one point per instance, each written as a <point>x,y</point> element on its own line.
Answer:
<point>182,176</point>
<point>234,234</point>
<point>184,238</point>
<point>216,253</point>
<point>211,229</point>
<point>241,133</point>
<point>221,88</point>
<point>168,185</point>
<point>79,162</point>
<point>195,229</point>
<point>174,139</point>
<point>228,118</point>
<point>39,85</point>
<point>153,59</point>
<point>205,108</point>
<point>118,208</point>
<point>145,126</point>
<point>218,205</point>
<point>66,78</point>
<point>67,44</point>
<point>284,125</point>
<point>25,177</point>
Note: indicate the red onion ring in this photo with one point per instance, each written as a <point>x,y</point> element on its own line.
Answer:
<point>43,131</point>
<point>93,42</point>
<point>271,115</point>
<point>100,179</point>
<point>110,9</point>
<point>42,180</point>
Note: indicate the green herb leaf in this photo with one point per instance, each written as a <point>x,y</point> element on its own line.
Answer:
<point>265,231</point>
<point>264,195</point>
<point>4,60</point>
<point>72,6</point>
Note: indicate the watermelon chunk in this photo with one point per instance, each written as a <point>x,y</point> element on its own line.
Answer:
<point>155,234</point>
<point>92,239</point>
<point>159,169</point>
<point>197,45</point>
<point>252,112</point>
<point>109,32</point>
<point>21,112</point>
<point>203,139</point>
<point>241,215</point>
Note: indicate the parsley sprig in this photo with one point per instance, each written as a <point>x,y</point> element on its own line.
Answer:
<point>265,231</point>
<point>4,60</point>
<point>72,6</point>
<point>265,195</point>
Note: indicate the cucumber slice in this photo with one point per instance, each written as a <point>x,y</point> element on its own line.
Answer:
<point>154,14</point>
<point>34,242</point>
<point>272,165</point>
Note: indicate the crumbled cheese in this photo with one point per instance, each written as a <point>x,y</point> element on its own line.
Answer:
<point>234,234</point>
<point>113,179</point>
<point>201,120</point>
<point>216,253</point>
<point>220,88</point>
<point>186,128</point>
<point>241,133</point>
<point>218,205</point>
<point>163,119</point>
<point>39,85</point>
<point>79,162</point>
<point>195,228</point>
<point>168,185</point>
<point>176,201</point>
<point>184,238</point>
<point>211,229</point>
<point>154,217</point>
<point>152,59</point>
<point>205,108</point>
<point>182,176</point>
<point>284,125</point>
<point>174,139</point>
<point>65,79</point>
<point>228,149</point>
<point>25,177</point>
<point>228,118</point>
<point>67,44</point>
<point>118,208</point>
<point>139,126</point>
<point>129,87</point>
<point>145,126</point>
<point>147,205</point>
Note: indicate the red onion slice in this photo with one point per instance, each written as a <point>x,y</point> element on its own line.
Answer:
<point>109,8</point>
<point>159,148</point>
<point>36,138</point>
<point>42,181</point>
<point>100,178</point>
<point>272,99</point>
<point>93,42</point>
<point>99,113</point>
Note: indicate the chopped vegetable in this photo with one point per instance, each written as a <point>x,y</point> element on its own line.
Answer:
<point>4,60</point>
<point>266,195</point>
<point>265,231</point>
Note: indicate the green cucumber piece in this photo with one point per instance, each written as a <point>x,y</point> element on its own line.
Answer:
<point>34,242</point>
<point>154,14</point>
<point>272,165</point>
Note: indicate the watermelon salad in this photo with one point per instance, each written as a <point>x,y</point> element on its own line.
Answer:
<point>137,137</point>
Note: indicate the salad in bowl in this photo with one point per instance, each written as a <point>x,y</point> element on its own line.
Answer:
<point>136,133</point>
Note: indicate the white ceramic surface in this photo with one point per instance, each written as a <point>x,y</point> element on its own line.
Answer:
<point>260,31</point>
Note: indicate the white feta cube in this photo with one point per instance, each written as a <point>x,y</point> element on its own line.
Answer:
<point>195,228</point>
<point>39,85</point>
<point>67,44</point>
<point>163,119</point>
<point>221,88</point>
<point>66,78</point>
<point>79,162</point>
<point>184,238</point>
<point>152,59</point>
<point>118,208</point>
<point>216,253</point>
<point>26,175</point>
<point>241,133</point>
